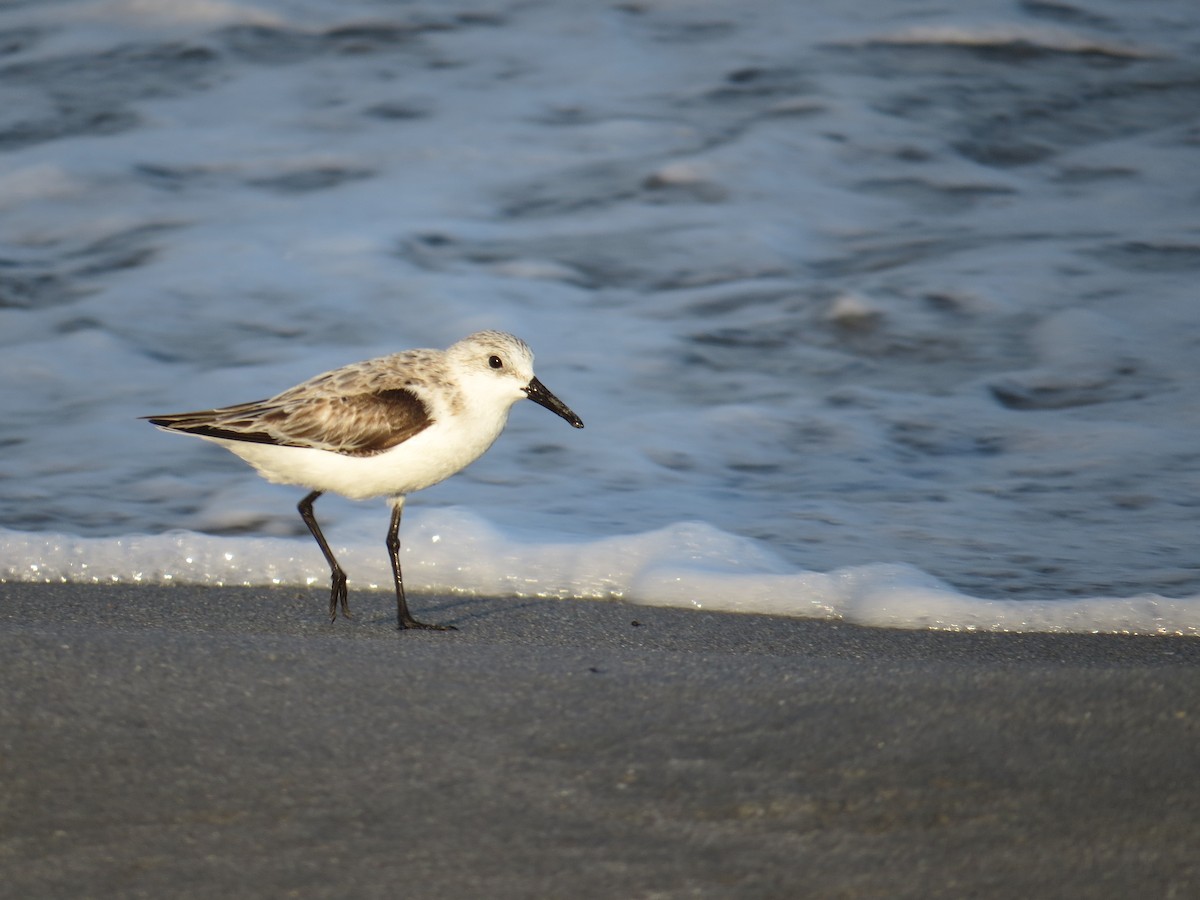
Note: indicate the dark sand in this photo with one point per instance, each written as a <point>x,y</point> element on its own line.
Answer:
<point>191,742</point>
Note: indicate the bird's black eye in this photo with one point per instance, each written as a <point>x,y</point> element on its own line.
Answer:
<point>495,362</point>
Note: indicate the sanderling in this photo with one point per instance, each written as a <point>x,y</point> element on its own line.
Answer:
<point>381,428</point>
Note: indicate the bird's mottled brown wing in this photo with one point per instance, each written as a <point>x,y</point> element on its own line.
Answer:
<point>361,424</point>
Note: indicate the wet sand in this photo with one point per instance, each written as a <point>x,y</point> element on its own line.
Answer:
<point>201,742</point>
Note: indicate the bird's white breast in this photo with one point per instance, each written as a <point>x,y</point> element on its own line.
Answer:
<point>449,445</point>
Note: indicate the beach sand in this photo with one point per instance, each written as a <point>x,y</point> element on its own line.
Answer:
<point>230,742</point>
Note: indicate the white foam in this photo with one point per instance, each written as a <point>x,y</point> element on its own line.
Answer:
<point>36,182</point>
<point>1003,34</point>
<point>157,13</point>
<point>689,565</point>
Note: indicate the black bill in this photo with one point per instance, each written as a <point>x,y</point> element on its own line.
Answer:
<point>536,391</point>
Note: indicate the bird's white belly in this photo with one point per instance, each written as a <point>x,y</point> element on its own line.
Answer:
<point>423,460</point>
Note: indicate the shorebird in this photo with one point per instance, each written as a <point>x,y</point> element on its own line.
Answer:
<point>384,427</point>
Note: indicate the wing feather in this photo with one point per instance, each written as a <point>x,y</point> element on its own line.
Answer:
<point>359,424</point>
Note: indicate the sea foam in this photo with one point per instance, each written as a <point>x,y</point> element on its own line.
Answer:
<point>689,565</point>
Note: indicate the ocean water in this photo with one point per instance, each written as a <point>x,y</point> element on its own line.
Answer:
<point>878,311</point>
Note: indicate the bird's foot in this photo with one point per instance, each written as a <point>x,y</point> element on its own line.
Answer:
<point>339,596</point>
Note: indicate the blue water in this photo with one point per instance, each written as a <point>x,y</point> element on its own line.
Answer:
<point>885,311</point>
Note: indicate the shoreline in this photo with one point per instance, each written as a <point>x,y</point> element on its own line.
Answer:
<point>198,742</point>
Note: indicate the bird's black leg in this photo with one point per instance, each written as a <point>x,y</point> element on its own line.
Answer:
<point>403,616</point>
<point>338,592</point>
